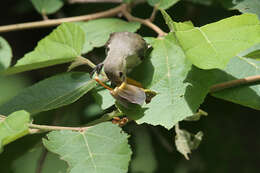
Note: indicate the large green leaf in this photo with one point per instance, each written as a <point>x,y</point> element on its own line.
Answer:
<point>165,74</point>
<point>242,95</point>
<point>51,93</point>
<point>213,45</point>
<point>5,54</point>
<point>63,45</point>
<point>247,95</point>
<point>97,31</point>
<point>180,88</point>
<point>47,6</point>
<point>101,148</point>
<point>29,162</point>
<point>14,127</point>
<point>162,4</point>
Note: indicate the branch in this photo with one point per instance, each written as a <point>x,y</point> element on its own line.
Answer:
<point>54,22</point>
<point>234,83</point>
<point>146,22</point>
<point>52,128</point>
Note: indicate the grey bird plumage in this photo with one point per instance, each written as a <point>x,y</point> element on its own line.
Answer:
<point>125,50</point>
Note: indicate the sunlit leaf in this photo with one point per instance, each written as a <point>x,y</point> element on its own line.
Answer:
<point>213,45</point>
<point>165,73</point>
<point>47,6</point>
<point>51,93</point>
<point>5,54</point>
<point>180,87</point>
<point>14,127</point>
<point>97,31</point>
<point>101,148</point>
<point>63,45</point>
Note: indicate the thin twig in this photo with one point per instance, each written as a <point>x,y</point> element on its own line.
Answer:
<point>234,83</point>
<point>146,22</point>
<point>152,17</point>
<point>54,22</point>
<point>52,128</point>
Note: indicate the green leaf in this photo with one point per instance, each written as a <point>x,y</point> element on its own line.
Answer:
<point>186,141</point>
<point>98,31</point>
<point>246,95</point>
<point>180,87</point>
<point>13,127</point>
<point>107,99</point>
<point>5,54</point>
<point>168,20</point>
<point>165,74</point>
<point>173,26</point>
<point>101,148</point>
<point>10,86</point>
<point>247,6</point>
<point>213,45</point>
<point>47,6</point>
<point>29,162</point>
<point>51,93</point>
<point>134,111</point>
<point>162,4</point>
<point>253,52</point>
<point>63,45</point>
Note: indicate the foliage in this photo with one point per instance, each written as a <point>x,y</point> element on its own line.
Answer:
<point>47,7</point>
<point>14,127</point>
<point>5,54</point>
<point>182,67</point>
<point>92,151</point>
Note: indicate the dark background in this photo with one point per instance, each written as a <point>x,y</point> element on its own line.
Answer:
<point>231,132</point>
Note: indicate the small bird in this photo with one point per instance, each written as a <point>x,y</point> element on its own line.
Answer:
<point>125,50</point>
